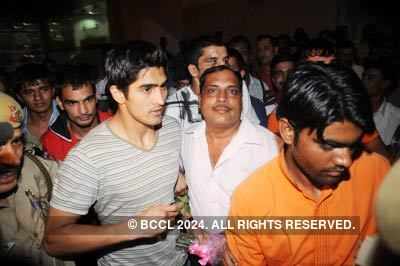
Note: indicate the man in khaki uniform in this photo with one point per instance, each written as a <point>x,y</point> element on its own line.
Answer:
<point>25,187</point>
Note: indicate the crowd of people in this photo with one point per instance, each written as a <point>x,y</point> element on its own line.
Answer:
<point>305,130</point>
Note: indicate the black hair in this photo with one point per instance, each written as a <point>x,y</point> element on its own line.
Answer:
<point>266,36</point>
<point>386,69</point>
<point>124,63</point>
<point>319,47</point>
<point>195,49</point>
<point>31,74</point>
<point>239,39</point>
<point>219,69</point>
<point>232,52</point>
<point>317,95</point>
<point>279,58</point>
<point>75,76</point>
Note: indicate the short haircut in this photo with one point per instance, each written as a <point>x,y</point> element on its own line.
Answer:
<point>279,58</point>
<point>232,52</point>
<point>386,69</point>
<point>195,49</point>
<point>266,36</point>
<point>124,63</point>
<point>238,39</point>
<point>216,69</point>
<point>319,47</point>
<point>75,76</point>
<point>317,95</point>
<point>31,74</point>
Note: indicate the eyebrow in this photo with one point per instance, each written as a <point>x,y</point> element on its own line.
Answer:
<point>151,85</point>
<point>75,101</point>
<point>336,144</point>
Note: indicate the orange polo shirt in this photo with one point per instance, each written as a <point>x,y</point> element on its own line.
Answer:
<point>273,126</point>
<point>270,192</point>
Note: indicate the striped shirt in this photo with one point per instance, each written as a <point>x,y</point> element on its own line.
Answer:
<point>122,180</point>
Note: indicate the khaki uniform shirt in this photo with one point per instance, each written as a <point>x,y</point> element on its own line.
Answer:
<point>23,215</point>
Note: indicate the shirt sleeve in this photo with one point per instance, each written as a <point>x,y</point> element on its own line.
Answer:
<point>76,184</point>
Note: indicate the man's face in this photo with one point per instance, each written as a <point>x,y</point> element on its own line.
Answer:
<point>280,74</point>
<point>265,51</point>
<point>374,82</point>
<point>38,96</point>
<point>145,101</point>
<point>11,161</point>
<point>243,50</point>
<point>211,56</point>
<point>79,104</point>
<point>221,100</point>
<point>325,163</point>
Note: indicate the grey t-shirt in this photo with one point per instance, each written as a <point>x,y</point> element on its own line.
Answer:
<point>122,180</point>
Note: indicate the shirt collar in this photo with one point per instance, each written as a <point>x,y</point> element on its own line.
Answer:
<point>54,115</point>
<point>247,133</point>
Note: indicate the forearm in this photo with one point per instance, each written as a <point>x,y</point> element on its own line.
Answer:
<point>73,239</point>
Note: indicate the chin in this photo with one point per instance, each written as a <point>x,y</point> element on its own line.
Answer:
<point>5,188</point>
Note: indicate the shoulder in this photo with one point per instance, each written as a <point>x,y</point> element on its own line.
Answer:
<point>261,134</point>
<point>250,197</point>
<point>170,124</point>
<point>370,167</point>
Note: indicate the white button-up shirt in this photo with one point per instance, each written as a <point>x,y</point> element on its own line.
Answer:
<point>387,120</point>
<point>210,189</point>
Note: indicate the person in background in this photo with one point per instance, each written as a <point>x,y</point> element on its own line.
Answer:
<point>76,98</point>
<point>35,89</point>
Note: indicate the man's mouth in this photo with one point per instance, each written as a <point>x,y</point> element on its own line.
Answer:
<point>221,108</point>
<point>8,177</point>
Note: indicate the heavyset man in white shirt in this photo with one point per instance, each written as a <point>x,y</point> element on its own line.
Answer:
<point>223,150</point>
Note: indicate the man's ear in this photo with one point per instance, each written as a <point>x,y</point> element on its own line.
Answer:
<point>117,94</point>
<point>286,131</point>
<point>194,72</point>
<point>59,103</point>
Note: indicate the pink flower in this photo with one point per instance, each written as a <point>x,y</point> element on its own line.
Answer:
<point>210,251</point>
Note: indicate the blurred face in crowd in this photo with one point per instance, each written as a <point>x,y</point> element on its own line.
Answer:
<point>280,74</point>
<point>11,153</point>
<point>79,104</point>
<point>211,56</point>
<point>265,51</point>
<point>243,49</point>
<point>38,96</point>
<point>221,100</point>
<point>374,81</point>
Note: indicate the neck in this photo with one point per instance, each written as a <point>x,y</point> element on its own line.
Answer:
<point>80,132</point>
<point>133,131</point>
<point>40,117</point>
<point>221,133</point>
<point>297,176</point>
<point>376,102</point>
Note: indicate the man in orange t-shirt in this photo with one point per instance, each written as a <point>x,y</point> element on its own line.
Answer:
<point>321,172</point>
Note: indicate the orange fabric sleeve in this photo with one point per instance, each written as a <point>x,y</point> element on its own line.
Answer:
<point>273,123</point>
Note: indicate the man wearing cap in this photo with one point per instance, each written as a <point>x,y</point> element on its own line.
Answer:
<point>25,186</point>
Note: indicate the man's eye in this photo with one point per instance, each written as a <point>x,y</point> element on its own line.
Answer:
<point>45,89</point>
<point>233,92</point>
<point>211,91</point>
<point>326,146</point>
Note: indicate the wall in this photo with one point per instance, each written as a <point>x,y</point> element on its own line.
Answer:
<point>178,19</point>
